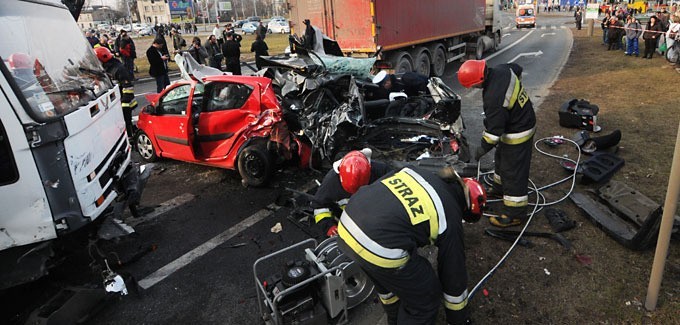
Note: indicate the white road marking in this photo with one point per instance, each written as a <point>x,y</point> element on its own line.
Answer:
<point>508,47</point>
<point>206,247</point>
<point>563,27</point>
<point>163,208</point>
<point>553,27</point>
<point>543,27</point>
<point>544,34</point>
<point>508,34</point>
<point>506,28</point>
<point>211,244</point>
<point>526,54</point>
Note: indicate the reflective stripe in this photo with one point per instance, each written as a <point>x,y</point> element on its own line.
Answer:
<point>456,303</point>
<point>437,226</point>
<point>368,249</point>
<point>129,90</point>
<point>517,138</point>
<point>515,93</point>
<point>419,199</point>
<point>490,138</point>
<point>131,104</point>
<point>511,92</point>
<point>497,179</point>
<point>515,201</point>
<point>388,298</point>
<point>342,203</point>
<point>320,214</point>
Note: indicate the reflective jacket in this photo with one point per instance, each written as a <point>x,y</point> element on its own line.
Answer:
<point>509,114</point>
<point>331,197</point>
<point>386,221</point>
<point>120,74</point>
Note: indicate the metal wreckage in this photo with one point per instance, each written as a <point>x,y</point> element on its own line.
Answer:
<point>323,98</point>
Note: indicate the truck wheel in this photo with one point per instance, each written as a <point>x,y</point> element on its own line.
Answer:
<point>438,61</point>
<point>145,147</point>
<point>402,63</point>
<point>421,63</point>
<point>255,165</point>
<point>479,50</point>
<point>496,41</point>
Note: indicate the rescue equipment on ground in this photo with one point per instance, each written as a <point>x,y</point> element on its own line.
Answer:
<point>318,289</point>
<point>580,114</point>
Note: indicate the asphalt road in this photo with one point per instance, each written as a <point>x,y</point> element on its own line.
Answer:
<point>201,269</point>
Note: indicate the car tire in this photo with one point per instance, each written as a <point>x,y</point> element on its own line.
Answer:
<point>145,147</point>
<point>255,165</point>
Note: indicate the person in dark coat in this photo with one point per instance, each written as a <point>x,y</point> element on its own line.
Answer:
<point>91,38</point>
<point>260,48</point>
<point>198,52</point>
<point>215,55</point>
<point>310,37</point>
<point>614,34</point>
<point>578,16</point>
<point>651,35</point>
<point>262,31</point>
<point>158,64</point>
<point>232,53</point>
<point>127,51</point>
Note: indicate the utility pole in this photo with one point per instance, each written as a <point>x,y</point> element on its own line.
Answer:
<point>127,4</point>
<point>255,6</point>
<point>217,13</point>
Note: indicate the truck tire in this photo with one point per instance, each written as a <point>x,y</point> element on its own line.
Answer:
<point>438,60</point>
<point>496,41</point>
<point>421,61</point>
<point>255,165</point>
<point>402,62</point>
<point>145,147</point>
<point>479,49</point>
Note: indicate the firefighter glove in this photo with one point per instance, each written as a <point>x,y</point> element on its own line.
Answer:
<point>332,231</point>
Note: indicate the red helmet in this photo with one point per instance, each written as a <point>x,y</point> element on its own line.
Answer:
<point>354,170</point>
<point>471,73</point>
<point>476,197</point>
<point>20,61</point>
<point>103,54</point>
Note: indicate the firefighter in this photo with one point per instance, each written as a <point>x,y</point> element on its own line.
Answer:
<point>385,222</point>
<point>348,174</point>
<point>510,124</point>
<point>119,73</point>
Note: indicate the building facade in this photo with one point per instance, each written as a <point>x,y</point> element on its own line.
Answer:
<point>91,17</point>
<point>154,13</point>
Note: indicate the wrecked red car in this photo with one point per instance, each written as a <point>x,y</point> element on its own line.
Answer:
<point>220,120</point>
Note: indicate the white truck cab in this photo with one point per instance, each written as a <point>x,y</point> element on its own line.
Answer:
<point>64,152</point>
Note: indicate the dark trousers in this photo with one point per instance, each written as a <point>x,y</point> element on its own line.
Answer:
<point>512,165</point>
<point>234,66</point>
<point>650,47</point>
<point>416,285</point>
<point>162,81</point>
<point>129,64</point>
<point>127,116</point>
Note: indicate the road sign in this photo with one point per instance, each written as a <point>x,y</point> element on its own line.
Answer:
<point>224,6</point>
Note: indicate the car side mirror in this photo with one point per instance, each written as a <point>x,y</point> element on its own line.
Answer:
<point>150,109</point>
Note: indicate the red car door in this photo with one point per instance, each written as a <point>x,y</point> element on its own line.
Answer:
<point>229,109</point>
<point>171,123</point>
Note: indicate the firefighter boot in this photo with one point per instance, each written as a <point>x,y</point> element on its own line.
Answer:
<point>504,221</point>
<point>392,311</point>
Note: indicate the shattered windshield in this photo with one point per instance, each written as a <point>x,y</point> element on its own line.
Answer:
<point>49,59</point>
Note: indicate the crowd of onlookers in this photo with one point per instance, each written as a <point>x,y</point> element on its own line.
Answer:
<point>621,30</point>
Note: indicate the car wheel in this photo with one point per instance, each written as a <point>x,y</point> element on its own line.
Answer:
<point>145,147</point>
<point>255,165</point>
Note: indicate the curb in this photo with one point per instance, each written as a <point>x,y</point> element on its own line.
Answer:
<point>250,65</point>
